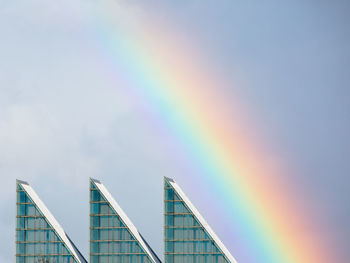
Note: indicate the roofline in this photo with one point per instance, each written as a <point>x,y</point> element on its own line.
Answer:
<point>149,251</point>
<point>21,182</point>
<point>52,221</point>
<point>169,179</point>
<point>201,220</point>
<point>95,180</point>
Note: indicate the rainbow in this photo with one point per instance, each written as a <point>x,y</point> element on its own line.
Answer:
<point>184,95</point>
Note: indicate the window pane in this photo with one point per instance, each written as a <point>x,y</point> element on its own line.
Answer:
<point>95,195</point>
<point>95,221</point>
<point>21,210</point>
<point>21,197</point>
<point>105,209</point>
<point>178,207</point>
<point>169,194</point>
<point>169,220</point>
<point>20,222</point>
<point>169,207</point>
<point>169,233</point>
<point>178,220</point>
<point>104,221</point>
<point>94,208</point>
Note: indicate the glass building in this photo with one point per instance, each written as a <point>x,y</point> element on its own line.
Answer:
<point>39,237</point>
<point>187,236</point>
<point>113,237</point>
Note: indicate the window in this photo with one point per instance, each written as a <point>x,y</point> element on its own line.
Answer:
<point>169,246</point>
<point>169,220</point>
<point>178,207</point>
<point>178,247</point>
<point>169,194</point>
<point>95,195</point>
<point>169,233</point>
<point>169,207</point>
<point>94,208</point>
<point>95,221</point>
<point>178,220</point>
<point>20,222</point>
<point>104,221</point>
<point>21,210</point>
<point>20,248</point>
<point>105,209</point>
<point>21,197</point>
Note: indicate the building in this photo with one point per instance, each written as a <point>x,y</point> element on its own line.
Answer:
<point>187,236</point>
<point>113,237</point>
<point>39,237</point>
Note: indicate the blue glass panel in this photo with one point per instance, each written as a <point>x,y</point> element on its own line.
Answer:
<point>169,233</point>
<point>188,259</point>
<point>121,224</point>
<point>169,207</point>
<point>105,209</point>
<point>20,248</point>
<point>103,247</point>
<point>21,197</point>
<point>20,235</point>
<point>178,234</point>
<point>30,259</point>
<point>103,259</point>
<point>178,220</point>
<point>94,259</point>
<point>169,259</point>
<point>95,221</point>
<point>178,258</point>
<point>188,220</point>
<point>169,247</point>
<point>178,207</point>
<point>21,210</point>
<point>169,194</point>
<point>95,208</point>
<point>20,222</point>
<point>178,247</point>
<point>169,220</point>
<point>95,195</point>
<point>104,221</point>
<point>94,234</point>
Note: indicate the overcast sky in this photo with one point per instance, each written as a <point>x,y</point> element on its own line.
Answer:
<point>62,121</point>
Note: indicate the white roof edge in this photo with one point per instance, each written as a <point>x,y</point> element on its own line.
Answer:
<point>52,221</point>
<point>201,220</point>
<point>125,219</point>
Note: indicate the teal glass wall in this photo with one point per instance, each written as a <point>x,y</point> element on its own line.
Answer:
<point>36,240</point>
<point>185,239</point>
<point>110,239</point>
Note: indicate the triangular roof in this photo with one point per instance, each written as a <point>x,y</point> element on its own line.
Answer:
<point>200,219</point>
<point>133,230</point>
<point>51,221</point>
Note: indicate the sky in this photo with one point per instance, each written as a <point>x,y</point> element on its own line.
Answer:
<point>68,112</point>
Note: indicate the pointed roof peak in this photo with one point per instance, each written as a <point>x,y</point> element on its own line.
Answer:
<point>169,179</point>
<point>202,221</point>
<point>21,182</point>
<point>95,180</point>
<point>52,221</point>
<point>134,231</point>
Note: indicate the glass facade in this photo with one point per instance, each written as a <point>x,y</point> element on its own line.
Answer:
<point>185,239</point>
<point>36,239</point>
<point>111,241</point>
